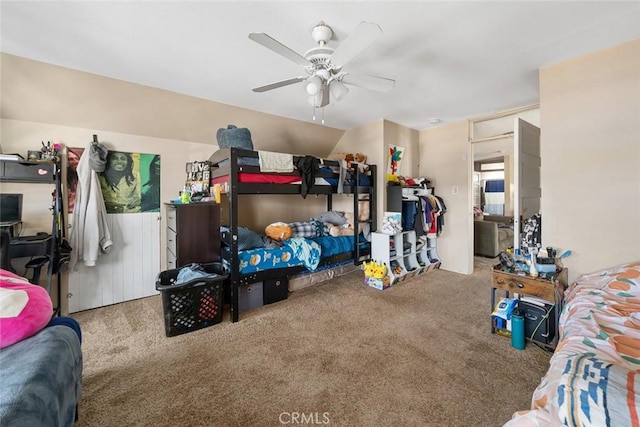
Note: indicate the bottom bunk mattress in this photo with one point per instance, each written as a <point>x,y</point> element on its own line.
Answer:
<point>294,252</point>
<point>594,373</point>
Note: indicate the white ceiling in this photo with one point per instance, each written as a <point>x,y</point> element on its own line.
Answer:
<point>450,60</point>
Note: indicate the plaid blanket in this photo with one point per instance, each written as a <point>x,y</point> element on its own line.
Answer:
<point>309,229</point>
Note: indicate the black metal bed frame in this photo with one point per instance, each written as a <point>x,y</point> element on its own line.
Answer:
<point>231,168</point>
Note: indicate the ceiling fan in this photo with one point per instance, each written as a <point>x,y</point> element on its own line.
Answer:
<point>325,81</point>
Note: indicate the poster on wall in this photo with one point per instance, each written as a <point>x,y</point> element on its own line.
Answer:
<point>73,157</point>
<point>198,176</point>
<point>393,161</point>
<point>130,182</point>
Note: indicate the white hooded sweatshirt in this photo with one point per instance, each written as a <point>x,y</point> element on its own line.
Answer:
<point>89,231</point>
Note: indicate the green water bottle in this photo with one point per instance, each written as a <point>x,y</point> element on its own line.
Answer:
<point>185,196</point>
<point>517,330</point>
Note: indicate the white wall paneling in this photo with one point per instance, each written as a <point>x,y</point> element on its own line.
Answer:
<point>127,272</point>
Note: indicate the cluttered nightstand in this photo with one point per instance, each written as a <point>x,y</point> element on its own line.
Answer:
<point>549,287</point>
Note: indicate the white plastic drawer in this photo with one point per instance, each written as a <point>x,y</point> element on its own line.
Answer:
<point>171,260</point>
<point>172,239</point>
<point>172,218</point>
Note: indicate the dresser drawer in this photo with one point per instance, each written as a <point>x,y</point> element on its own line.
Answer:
<point>171,260</point>
<point>526,285</point>
<point>172,238</point>
<point>172,221</point>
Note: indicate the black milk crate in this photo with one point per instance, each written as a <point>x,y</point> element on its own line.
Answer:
<point>192,305</point>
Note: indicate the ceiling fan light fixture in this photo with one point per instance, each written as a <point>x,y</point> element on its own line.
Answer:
<point>325,81</point>
<point>316,100</point>
<point>338,90</point>
<point>313,86</point>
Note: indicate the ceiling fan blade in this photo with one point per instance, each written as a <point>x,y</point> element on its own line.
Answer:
<point>279,48</point>
<point>364,34</point>
<point>278,84</point>
<point>380,84</point>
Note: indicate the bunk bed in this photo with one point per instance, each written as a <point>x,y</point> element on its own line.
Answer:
<point>238,172</point>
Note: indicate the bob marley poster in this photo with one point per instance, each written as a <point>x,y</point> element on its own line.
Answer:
<point>130,182</point>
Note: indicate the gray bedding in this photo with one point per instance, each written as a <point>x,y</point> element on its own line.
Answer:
<point>41,379</point>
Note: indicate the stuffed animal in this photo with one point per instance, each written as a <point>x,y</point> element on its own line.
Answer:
<point>331,217</point>
<point>361,159</point>
<point>341,230</point>
<point>348,158</point>
<point>379,271</point>
<point>341,156</point>
<point>345,229</point>
<point>278,231</point>
<point>25,309</point>
<point>375,270</point>
<point>369,268</point>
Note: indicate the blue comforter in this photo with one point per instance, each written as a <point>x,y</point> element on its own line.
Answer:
<point>41,379</point>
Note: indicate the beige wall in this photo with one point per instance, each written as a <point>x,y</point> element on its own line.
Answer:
<point>590,121</point>
<point>374,140</point>
<point>590,144</point>
<point>45,102</point>
<point>365,139</point>
<point>590,174</point>
<point>444,159</point>
<point>42,93</point>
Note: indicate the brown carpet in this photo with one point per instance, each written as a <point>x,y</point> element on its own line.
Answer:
<point>339,353</point>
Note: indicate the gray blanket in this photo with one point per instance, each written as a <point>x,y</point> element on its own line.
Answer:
<point>41,379</point>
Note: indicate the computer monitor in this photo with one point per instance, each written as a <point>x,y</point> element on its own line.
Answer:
<point>10,209</point>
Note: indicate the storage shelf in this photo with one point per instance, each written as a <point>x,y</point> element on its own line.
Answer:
<point>409,264</point>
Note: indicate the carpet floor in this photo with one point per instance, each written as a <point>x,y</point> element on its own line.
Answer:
<point>339,353</point>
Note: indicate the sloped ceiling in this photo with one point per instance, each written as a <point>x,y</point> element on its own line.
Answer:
<point>450,60</point>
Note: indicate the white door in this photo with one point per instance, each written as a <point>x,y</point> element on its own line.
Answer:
<point>127,272</point>
<point>526,174</point>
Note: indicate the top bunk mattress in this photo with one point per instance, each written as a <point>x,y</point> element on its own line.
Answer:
<point>281,168</point>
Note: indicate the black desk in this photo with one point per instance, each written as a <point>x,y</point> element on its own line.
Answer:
<point>28,246</point>
<point>45,172</point>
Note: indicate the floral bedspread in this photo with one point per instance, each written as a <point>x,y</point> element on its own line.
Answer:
<point>593,378</point>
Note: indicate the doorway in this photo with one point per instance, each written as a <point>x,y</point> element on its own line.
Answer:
<point>500,165</point>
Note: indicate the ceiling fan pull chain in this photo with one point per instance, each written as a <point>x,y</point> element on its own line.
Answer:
<point>322,115</point>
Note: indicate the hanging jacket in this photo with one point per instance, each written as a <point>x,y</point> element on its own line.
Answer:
<point>90,233</point>
<point>307,166</point>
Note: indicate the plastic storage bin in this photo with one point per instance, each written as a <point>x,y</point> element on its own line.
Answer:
<point>250,296</point>
<point>192,305</point>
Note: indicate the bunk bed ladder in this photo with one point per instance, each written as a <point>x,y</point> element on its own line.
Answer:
<point>234,277</point>
<point>369,194</point>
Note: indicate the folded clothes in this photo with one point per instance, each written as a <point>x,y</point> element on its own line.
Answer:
<point>275,162</point>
